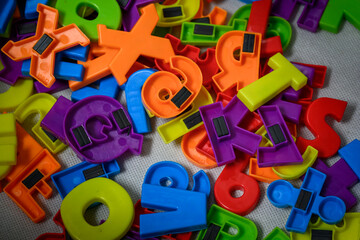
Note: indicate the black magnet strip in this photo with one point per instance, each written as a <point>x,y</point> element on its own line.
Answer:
<point>193,120</point>
<point>81,136</point>
<point>303,199</point>
<point>317,234</point>
<point>249,42</point>
<point>26,28</point>
<point>93,172</point>
<point>33,179</point>
<point>203,29</point>
<point>276,134</point>
<point>220,126</point>
<point>172,12</point>
<point>201,20</point>
<point>122,3</point>
<point>50,135</point>
<point>121,119</point>
<point>212,232</point>
<point>41,45</point>
<point>181,97</point>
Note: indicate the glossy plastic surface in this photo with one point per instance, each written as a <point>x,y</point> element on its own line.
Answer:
<point>6,12</point>
<point>224,219</point>
<point>162,91</point>
<point>139,210</point>
<point>236,137</point>
<point>107,137</point>
<point>53,120</point>
<point>16,94</point>
<point>306,201</point>
<point>277,234</point>
<point>108,13</point>
<point>295,171</point>
<point>326,140</point>
<point>40,103</point>
<point>216,16</point>
<point>188,11</point>
<point>131,12</point>
<point>284,150</point>
<point>346,229</point>
<point>310,16</point>
<point>108,86</point>
<point>134,103</point>
<point>290,111</point>
<point>243,69</point>
<point>206,61</point>
<point>350,154</point>
<point>8,143</point>
<point>58,86</point>
<point>106,191</point>
<point>181,125</point>
<point>165,188</point>
<point>276,26</point>
<point>130,45</point>
<point>190,34</point>
<point>42,65</point>
<point>264,89</point>
<point>66,180</point>
<point>32,158</point>
<point>10,71</point>
<point>231,179</point>
<point>188,146</point>
<point>265,174</point>
<point>336,11</point>
<point>64,69</point>
<point>30,8</point>
<point>339,180</point>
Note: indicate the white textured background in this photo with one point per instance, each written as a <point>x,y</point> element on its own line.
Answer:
<point>340,52</point>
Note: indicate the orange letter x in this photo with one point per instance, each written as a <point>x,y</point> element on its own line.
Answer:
<point>47,41</point>
<point>135,43</point>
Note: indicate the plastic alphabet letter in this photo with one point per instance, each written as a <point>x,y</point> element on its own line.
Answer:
<point>242,70</point>
<point>220,220</point>
<point>175,14</point>
<point>67,179</point>
<point>222,127</point>
<point>108,13</point>
<point>35,166</point>
<point>339,179</point>
<point>310,16</point>
<point>284,150</point>
<point>114,196</point>
<point>326,141</point>
<point>204,34</point>
<point>306,201</point>
<point>8,143</point>
<point>347,229</point>
<point>42,47</point>
<point>130,45</point>
<point>232,178</point>
<point>185,122</point>
<point>336,10</point>
<point>165,188</point>
<point>108,86</point>
<point>134,103</point>
<point>16,94</point>
<point>39,103</point>
<point>97,128</point>
<point>165,96</point>
<point>264,89</point>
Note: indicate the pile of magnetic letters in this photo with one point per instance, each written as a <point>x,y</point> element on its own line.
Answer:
<point>226,98</point>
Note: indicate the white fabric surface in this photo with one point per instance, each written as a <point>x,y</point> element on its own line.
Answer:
<point>340,52</point>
